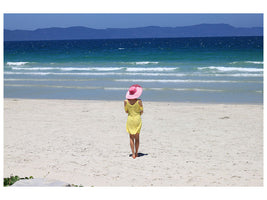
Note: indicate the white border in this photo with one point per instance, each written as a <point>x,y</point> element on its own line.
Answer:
<point>124,6</point>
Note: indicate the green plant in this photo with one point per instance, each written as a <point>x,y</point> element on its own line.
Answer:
<point>72,185</point>
<point>12,179</point>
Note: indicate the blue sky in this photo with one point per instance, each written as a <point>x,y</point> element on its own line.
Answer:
<point>100,21</point>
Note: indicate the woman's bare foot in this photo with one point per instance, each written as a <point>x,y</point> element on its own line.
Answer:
<point>133,156</point>
<point>136,155</point>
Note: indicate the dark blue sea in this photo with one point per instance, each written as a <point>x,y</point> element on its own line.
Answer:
<point>209,70</point>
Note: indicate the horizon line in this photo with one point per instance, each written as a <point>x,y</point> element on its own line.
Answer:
<point>131,27</point>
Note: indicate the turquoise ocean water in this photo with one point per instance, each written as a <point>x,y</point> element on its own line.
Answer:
<point>212,70</point>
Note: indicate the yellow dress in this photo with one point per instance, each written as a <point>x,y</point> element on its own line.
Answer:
<point>134,122</point>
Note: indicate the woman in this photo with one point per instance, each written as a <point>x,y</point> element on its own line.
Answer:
<point>134,108</point>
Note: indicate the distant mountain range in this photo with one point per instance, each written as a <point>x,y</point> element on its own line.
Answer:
<point>79,32</point>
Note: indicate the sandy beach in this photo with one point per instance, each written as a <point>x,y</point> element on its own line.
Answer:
<point>181,144</point>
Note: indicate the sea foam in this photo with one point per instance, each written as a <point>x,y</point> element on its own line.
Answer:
<point>228,69</point>
<point>134,74</point>
<point>141,63</point>
<point>91,69</point>
<point>145,63</point>
<point>16,63</point>
<point>175,81</point>
<point>255,62</point>
<point>250,62</point>
<point>69,68</point>
<point>33,68</point>
<point>131,69</point>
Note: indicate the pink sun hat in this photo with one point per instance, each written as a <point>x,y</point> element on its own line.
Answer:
<point>134,92</point>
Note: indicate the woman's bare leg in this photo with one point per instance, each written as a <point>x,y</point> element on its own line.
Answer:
<point>132,145</point>
<point>136,144</point>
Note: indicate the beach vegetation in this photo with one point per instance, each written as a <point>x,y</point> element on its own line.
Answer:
<point>12,179</point>
<point>73,185</point>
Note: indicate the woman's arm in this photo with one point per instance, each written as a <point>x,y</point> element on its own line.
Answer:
<point>125,108</point>
<point>141,106</point>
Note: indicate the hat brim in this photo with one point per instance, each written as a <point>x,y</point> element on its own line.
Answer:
<point>137,94</point>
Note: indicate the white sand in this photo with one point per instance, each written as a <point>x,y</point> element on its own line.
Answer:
<point>85,142</point>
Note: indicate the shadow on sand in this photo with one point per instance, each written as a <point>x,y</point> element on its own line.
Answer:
<point>139,154</point>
